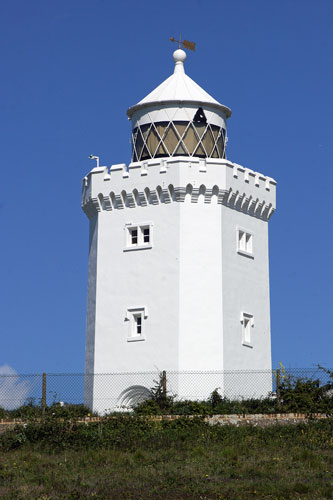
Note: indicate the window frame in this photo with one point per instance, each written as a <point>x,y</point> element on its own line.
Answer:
<point>140,228</point>
<point>247,322</point>
<point>132,315</point>
<point>247,252</point>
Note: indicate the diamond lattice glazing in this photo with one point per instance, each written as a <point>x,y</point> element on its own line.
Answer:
<point>178,138</point>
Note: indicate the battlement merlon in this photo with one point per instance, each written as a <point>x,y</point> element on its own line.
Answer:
<point>170,179</point>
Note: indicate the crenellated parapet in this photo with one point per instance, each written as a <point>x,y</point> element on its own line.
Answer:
<point>178,180</point>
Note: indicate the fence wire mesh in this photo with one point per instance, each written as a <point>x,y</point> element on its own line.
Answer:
<point>118,391</point>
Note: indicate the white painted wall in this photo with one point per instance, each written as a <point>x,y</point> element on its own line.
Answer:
<point>136,278</point>
<point>246,289</point>
<point>200,282</point>
<point>192,281</point>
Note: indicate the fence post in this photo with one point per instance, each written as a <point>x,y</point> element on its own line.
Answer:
<point>278,382</point>
<point>164,384</point>
<point>44,395</point>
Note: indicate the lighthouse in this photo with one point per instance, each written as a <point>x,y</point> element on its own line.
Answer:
<point>178,271</point>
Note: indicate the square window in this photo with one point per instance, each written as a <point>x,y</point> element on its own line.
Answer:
<point>138,236</point>
<point>247,326</point>
<point>245,242</point>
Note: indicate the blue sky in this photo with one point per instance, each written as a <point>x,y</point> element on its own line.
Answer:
<point>70,69</point>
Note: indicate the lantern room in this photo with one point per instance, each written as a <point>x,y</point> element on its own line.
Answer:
<point>178,118</point>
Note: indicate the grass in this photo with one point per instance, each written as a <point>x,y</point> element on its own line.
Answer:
<point>138,459</point>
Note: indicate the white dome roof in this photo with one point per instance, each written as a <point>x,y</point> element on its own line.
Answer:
<point>178,88</point>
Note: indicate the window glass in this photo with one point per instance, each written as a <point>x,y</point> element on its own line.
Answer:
<point>248,242</point>
<point>170,140</point>
<point>220,146</point>
<point>215,153</point>
<point>161,151</point>
<point>215,131</point>
<point>139,144</point>
<point>145,154</point>
<point>190,140</point>
<point>241,240</point>
<point>200,128</point>
<point>145,130</point>
<point>160,128</point>
<point>180,127</point>
<point>146,235</point>
<point>208,141</point>
<point>153,141</point>
<point>138,324</point>
<point>134,236</point>
<point>247,325</point>
<point>159,131</point>
<point>163,139</point>
<point>200,151</point>
<point>247,330</point>
<point>180,150</point>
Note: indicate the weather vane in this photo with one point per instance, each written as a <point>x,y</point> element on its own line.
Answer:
<point>185,43</point>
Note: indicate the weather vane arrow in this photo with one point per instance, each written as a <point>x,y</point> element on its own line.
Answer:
<point>185,43</point>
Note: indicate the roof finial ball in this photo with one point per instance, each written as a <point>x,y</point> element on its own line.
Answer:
<point>179,55</point>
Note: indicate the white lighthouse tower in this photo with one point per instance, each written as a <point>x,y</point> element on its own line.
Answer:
<point>178,258</point>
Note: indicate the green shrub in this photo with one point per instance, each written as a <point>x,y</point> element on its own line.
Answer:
<point>3,413</point>
<point>68,410</point>
<point>30,409</point>
<point>148,407</point>
<point>302,395</point>
<point>12,439</point>
<point>160,395</point>
<point>127,433</point>
<point>215,398</point>
<point>294,394</point>
<point>191,408</point>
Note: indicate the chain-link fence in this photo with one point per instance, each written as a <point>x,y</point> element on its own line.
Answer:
<point>120,391</point>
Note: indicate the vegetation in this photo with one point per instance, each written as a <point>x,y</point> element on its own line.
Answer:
<point>293,395</point>
<point>31,410</point>
<point>139,458</point>
<point>132,456</point>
